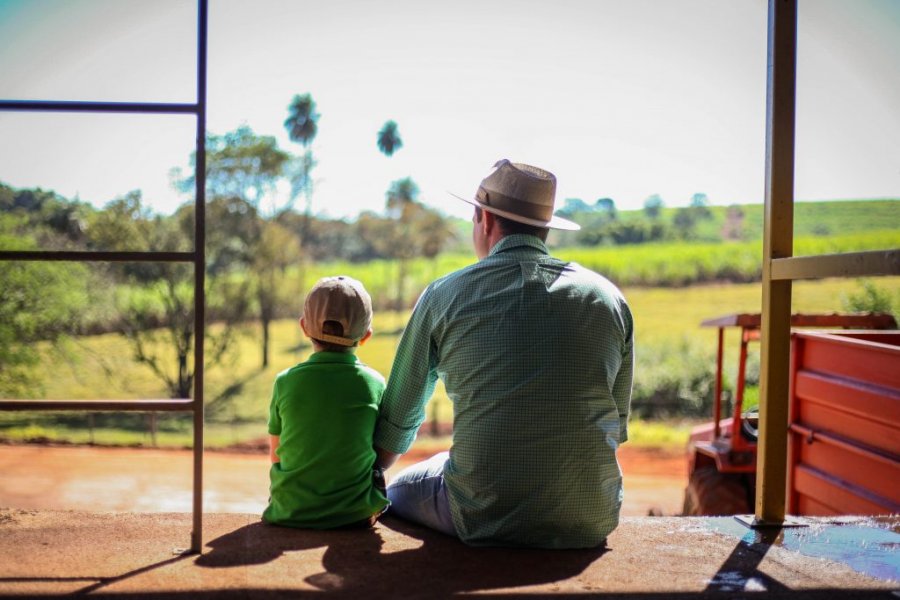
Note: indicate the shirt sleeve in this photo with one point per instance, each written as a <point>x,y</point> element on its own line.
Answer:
<point>622,385</point>
<point>274,415</point>
<point>410,384</point>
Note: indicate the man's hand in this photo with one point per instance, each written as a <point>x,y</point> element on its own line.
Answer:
<point>385,459</point>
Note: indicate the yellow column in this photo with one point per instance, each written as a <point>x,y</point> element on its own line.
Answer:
<point>777,243</point>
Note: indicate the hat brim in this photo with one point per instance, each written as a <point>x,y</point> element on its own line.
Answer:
<point>554,222</point>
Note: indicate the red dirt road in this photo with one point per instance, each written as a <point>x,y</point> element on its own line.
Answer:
<point>148,480</point>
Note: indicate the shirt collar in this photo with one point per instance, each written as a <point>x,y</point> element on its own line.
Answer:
<point>518,240</point>
<point>333,357</point>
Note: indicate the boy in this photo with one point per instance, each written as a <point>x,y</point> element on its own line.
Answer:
<point>322,418</point>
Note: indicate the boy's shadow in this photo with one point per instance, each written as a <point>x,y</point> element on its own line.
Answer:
<point>364,561</point>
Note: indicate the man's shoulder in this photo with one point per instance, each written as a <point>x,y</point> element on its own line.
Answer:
<point>451,283</point>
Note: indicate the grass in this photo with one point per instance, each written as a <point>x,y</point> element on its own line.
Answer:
<point>667,264</point>
<point>659,434</point>
<point>238,392</point>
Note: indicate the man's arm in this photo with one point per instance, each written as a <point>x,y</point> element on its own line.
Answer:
<point>410,385</point>
<point>621,390</point>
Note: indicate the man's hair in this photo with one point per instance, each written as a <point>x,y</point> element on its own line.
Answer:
<point>332,328</point>
<point>510,227</point>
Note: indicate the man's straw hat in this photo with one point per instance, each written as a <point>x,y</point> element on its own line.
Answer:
<point>520,193</point>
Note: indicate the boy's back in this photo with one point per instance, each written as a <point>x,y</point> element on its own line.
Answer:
<point>324,411</point>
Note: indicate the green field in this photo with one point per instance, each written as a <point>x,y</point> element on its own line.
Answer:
<point>669,264</point>
<point>823,218</point>
<point>668,340</point>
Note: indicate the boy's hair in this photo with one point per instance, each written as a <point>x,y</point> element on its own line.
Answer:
<point>332,328</point>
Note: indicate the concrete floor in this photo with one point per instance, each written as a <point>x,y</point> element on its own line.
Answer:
<point>130,555</point>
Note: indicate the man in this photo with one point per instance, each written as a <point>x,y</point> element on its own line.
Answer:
<point>536,356</point>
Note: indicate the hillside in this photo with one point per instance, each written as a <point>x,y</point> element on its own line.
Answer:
<point>810,218</point>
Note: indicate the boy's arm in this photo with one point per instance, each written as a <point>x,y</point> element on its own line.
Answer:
<point>273,446</point>
<point>385,459</point>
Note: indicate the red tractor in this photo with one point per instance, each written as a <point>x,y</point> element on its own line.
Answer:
<point>722,454</point>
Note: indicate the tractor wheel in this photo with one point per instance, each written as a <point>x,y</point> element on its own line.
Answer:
<point>710,492</point>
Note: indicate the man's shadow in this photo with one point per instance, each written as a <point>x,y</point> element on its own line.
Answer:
<point>361,561</point>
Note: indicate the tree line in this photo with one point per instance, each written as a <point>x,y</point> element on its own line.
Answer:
<point>257,253</point>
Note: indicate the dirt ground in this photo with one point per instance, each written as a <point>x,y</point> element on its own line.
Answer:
<point>151,480</point>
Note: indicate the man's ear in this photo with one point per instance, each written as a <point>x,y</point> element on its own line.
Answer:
<point>364,338</point>
<point>488,222</point>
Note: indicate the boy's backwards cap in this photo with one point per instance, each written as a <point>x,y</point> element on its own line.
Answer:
<point>342,299</point>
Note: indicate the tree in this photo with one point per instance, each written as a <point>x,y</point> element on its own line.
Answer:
<point>700,206</point>
<point>389,139</point>
<point>244,168</point>
<point>653,206</point>
<point>606,206</point>
<point>161,314</point>
<point>302,122</point>
<point>302,127</point>
<point>684,220</point>
<point>277,250</point>
<point>39,301</point>
<point>245,165</point>
<point>572,207</point>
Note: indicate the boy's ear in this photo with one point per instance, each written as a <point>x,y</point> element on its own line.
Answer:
<point>364,338</point>
<point>303,327</point>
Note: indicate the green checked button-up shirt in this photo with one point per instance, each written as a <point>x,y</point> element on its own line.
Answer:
<point>537,357</point>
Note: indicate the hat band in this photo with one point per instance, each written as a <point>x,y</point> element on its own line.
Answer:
<point>334,339</point>
<point>517,206</point>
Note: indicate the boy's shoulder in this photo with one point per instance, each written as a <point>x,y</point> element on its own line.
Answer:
<point>370,372</point>
<point>356,366</point>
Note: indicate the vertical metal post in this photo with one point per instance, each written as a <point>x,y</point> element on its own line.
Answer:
<point>739,387</point>
<point>777,243</point>
<point>717,401</point>
<point>199,274</point>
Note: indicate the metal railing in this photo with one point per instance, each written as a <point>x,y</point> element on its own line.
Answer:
<point>197,257</point>
<point>781,268</point>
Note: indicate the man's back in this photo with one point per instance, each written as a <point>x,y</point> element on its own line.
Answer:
<point>536,355</point>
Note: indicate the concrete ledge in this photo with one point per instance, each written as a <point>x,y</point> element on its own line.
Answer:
<point>129,555</point>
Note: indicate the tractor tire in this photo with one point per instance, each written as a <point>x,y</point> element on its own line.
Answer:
<point>710,492</point>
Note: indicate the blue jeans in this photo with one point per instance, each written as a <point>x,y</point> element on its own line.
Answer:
<point>418,494</point>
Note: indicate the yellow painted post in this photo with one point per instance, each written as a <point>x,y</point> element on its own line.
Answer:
<point>777,243</point>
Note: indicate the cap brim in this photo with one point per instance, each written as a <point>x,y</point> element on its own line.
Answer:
<point>554,223</point>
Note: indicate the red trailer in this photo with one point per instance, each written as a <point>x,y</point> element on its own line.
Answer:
<point>722,454</point>
<point>844,452</point>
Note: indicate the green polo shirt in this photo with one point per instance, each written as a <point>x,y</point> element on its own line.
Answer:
<point>536,355</point>
<point>324,411</point>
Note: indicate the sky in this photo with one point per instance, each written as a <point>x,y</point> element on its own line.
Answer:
<point>618,99</point>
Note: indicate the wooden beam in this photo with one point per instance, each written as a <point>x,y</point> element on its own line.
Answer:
<point>850,264</point>
<point>778,243</point>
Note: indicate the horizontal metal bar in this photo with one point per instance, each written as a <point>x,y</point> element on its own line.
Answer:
<point>851,264</point>
<point>167,405</point>
<point>100,107</point>
<point>87,256</point>
<point>810,436</point>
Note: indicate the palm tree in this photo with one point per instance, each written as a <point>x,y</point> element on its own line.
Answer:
<point>302,127</point>
<point>389,139</point>
<point>302,121</point>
